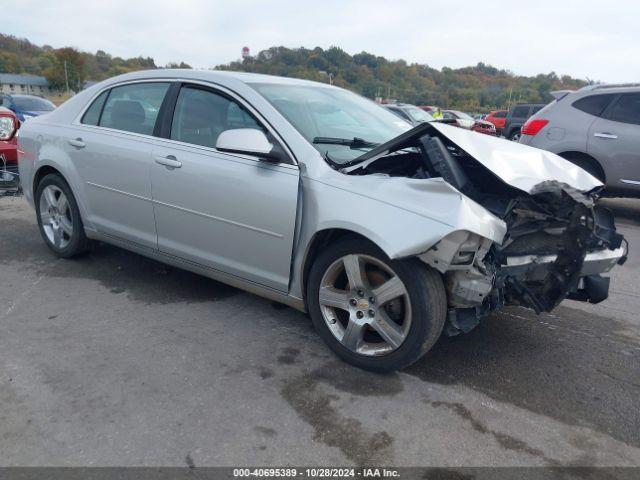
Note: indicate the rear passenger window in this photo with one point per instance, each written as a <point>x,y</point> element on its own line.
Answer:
<point>134,108</point>
<point>520,112</point>
<point>500,115</point>
<point>92,115</point>
<point>594,104</point>
<point>627,109</point>
<point>201,116</point>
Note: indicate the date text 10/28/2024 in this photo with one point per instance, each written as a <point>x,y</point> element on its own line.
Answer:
<point>316,472</point>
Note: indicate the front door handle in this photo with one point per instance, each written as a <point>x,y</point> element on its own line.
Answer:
<point>77,142</point>
<point>169,161</point>
<point>608,135</point>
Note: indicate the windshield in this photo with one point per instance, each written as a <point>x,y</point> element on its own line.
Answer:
<point>321,113</point>
<point>33,104</point>
<point>418,114</point>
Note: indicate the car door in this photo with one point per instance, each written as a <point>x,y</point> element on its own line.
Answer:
<point>230,212</point>
<point>614,140</point>
<point>111,149</point>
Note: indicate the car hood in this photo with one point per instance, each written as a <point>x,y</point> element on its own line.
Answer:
<point>518,165</point>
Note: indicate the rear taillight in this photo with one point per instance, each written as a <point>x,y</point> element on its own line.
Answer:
<point>532,127</point>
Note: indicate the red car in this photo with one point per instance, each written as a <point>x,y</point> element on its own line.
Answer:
<point>482,126</point>
<point>464,120</point>
<point>9,125</point>
<point>498,118</point>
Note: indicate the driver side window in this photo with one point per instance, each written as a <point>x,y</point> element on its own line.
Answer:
<point>200,116</point>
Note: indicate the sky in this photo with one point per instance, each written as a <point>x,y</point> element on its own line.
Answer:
<point>585,39</point>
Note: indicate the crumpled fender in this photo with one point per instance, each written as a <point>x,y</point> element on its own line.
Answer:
<point>403,216</point>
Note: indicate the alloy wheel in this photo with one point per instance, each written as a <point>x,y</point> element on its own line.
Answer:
<point>55,216</point>
<point>365,305</point>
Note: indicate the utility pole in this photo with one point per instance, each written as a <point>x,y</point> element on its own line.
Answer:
<point>66,76</point>
<point>329,74</point>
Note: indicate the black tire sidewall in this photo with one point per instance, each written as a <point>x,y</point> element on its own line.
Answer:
<point>77,243</point>
<point>426,296</point>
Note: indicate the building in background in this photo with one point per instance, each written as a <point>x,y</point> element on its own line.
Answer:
<point>25,84</point>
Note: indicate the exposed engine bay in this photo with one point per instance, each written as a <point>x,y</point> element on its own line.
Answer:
<point>558,240</point>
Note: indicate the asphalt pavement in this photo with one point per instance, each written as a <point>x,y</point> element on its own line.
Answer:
<point>116,360</point>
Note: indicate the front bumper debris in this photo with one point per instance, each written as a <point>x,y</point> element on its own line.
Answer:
<point>9,178</point>
<point>594,263</point>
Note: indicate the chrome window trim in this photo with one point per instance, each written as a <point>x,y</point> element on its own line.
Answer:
<point>208,84</point>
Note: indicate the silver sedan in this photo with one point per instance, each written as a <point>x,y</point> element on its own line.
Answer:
<point>310,195</point>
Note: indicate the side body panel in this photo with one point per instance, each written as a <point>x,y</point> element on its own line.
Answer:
<point>114,168</point>
<point>228,212</point>
<point>617,147</point>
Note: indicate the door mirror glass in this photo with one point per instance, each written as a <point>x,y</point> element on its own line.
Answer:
<point>248,141</point>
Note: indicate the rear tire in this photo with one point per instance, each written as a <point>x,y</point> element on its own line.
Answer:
<point>59,217</point>
<point>515,136</point>
<point>397,324</point>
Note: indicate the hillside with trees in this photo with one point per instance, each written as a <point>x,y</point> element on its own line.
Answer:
<point>475,89</point>
<point>21,56</point>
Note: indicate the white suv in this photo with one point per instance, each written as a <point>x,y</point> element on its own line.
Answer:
<point>598,129</point>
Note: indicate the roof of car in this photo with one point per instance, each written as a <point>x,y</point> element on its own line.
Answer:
<point>213,75</point>
<point>611,87</point>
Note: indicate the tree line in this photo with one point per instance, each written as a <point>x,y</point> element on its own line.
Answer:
<point>18,55</point>
<point>476,88</point>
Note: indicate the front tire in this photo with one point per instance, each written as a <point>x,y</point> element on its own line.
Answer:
<point>59,217</point>
<point>373,312</point>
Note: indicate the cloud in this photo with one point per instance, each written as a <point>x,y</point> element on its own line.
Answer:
<point>577,38</point>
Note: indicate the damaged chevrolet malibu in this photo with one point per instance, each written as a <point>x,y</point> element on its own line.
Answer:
<point>312,196</point>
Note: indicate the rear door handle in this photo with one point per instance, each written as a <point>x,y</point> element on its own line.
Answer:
<point>77,142</point>
<point>608,135</point>
<point>168,161</point>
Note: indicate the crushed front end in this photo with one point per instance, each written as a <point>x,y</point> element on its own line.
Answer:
<point>558,241</point>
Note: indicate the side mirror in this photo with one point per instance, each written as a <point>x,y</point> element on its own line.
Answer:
<point>249,141</point>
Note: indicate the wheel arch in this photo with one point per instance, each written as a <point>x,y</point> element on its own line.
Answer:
<point>42,172</point>
<point>577,156</point>
<point>322,239</point>
<point>46,167</point>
